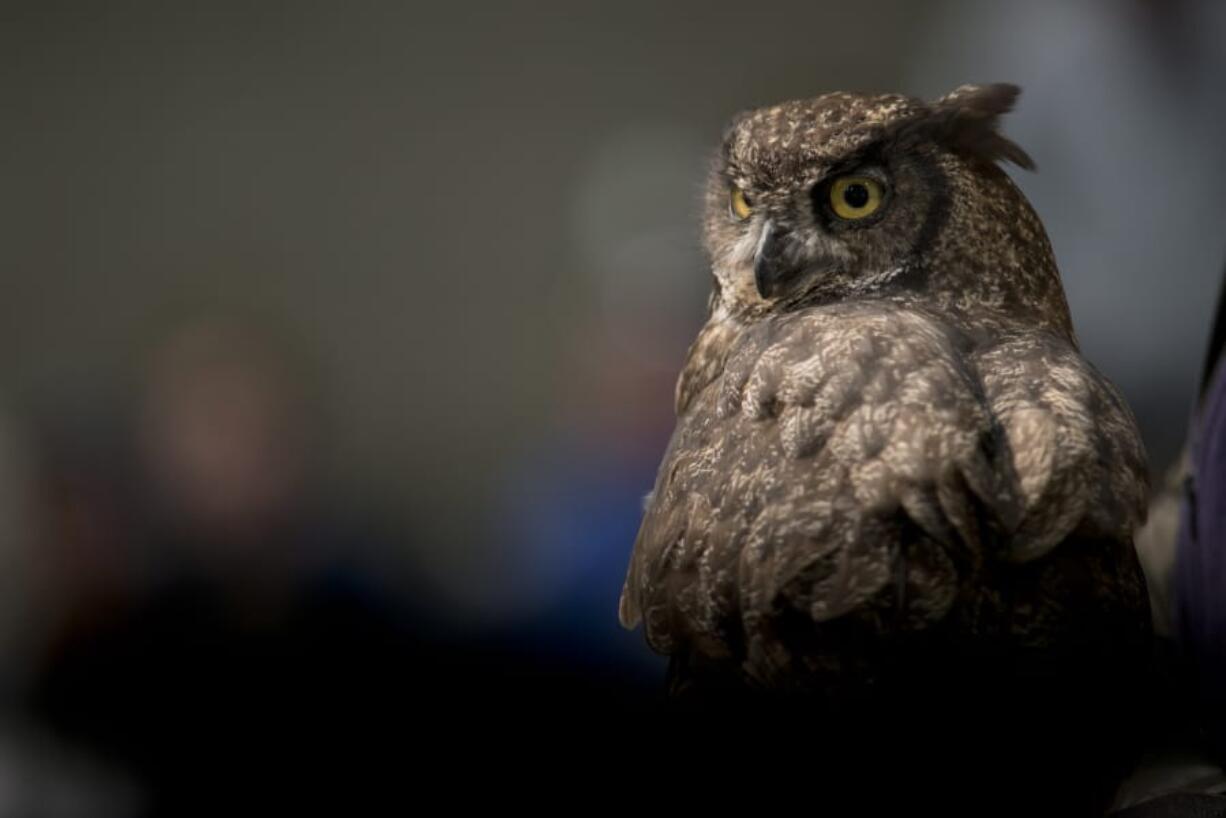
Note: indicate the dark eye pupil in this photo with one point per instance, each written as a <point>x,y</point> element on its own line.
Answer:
<point>856,195</point>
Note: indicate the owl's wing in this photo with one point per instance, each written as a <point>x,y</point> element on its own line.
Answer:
<point>801,463</point>
<point>1077,456</point>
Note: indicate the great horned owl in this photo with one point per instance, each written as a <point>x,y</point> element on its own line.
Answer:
<point>892,470</point>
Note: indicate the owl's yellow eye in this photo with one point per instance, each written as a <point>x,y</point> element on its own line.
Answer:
<point>855,197</point>
<point>739,204</point>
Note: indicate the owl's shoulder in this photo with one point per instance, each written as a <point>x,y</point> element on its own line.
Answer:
<point>860,335</point>
<point>1074,445</point>
<point>852,353</point>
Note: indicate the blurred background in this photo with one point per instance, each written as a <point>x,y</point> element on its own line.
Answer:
<point>337,341</point>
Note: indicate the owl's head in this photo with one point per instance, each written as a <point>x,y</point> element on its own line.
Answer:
<point>850,195</point>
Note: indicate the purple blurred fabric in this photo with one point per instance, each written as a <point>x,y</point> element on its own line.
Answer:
<point>1200,561</point>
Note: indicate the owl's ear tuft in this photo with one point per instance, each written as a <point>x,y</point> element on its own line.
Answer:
<point>966,119</point>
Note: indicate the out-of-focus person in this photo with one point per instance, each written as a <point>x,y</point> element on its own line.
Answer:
<point>1199,577</point>
<point>241,619</point>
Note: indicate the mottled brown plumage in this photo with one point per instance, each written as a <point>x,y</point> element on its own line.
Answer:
<point>897,451</point>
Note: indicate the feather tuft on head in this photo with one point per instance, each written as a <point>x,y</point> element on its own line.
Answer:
<point>967,119</point>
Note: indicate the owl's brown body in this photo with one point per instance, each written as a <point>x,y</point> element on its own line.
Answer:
<point>899,473</point>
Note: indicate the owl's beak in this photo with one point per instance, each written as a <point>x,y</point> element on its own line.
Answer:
<point>772,270</point>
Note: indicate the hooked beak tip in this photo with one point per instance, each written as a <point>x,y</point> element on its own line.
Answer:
<point>761,281</point>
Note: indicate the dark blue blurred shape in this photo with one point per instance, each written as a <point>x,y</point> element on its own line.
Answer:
<point>579,507</point>
<point>1200,563</point>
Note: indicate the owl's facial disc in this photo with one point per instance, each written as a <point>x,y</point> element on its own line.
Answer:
<point>809,242</point>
